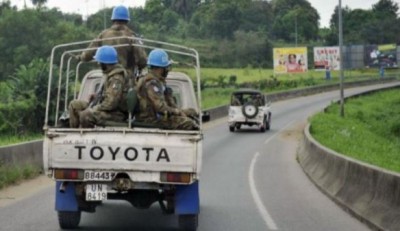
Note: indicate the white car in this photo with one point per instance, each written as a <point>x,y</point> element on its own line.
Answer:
<point>251,108</point>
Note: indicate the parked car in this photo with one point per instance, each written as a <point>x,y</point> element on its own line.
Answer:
<point>251,108</point>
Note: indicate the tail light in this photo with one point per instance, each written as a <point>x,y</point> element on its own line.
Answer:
<point>68,174</point>
<point>176,177</point>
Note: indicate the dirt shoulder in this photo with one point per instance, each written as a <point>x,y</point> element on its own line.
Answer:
<point>23,189</point>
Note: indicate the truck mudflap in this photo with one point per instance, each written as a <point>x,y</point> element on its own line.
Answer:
<point>65,198</point>
<point>187,199</point>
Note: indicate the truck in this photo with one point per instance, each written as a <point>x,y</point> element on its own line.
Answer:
<point>135,162</point>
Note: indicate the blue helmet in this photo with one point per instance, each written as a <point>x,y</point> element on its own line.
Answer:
<point>120,13</point>
<point>107,55</point>
<point>158,58</point>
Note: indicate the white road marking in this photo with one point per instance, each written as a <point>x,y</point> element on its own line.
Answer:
<point>260,206</point>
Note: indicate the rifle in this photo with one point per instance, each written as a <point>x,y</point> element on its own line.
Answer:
<point>97,98</point>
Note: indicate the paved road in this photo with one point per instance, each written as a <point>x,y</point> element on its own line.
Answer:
<point>250,181</point>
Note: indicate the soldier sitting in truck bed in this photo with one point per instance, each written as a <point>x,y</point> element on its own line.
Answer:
<point>111,105</point>
<point>154,99</point>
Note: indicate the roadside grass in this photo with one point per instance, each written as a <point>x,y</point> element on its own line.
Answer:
<point>250,74</point>
<point>213,96</point>
<point>369,132</point>
<point>8,140</point>
<point>12,174</point>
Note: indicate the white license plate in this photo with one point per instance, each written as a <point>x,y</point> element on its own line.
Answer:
<point>96,192</point>
<point>99,175</point>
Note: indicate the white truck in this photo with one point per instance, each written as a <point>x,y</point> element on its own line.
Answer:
<point>128,161</point>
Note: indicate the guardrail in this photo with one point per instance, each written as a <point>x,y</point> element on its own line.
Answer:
<point>370,193</point>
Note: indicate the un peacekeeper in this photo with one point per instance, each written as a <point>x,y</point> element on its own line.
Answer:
<point>170,100</point>
<point>156,105</point>
<point>131,57</point>
<point>112,105</point>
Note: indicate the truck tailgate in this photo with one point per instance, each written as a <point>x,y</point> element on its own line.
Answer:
<point>122,150</point>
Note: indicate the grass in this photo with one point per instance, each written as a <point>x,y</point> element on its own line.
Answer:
<point>8,140</point>
<point>13,174</point>
<point>370,130</point>
<point>217,96</point>
<point>249,74</point>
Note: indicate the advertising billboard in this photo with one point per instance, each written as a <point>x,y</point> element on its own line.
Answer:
<point>290,60</point>
<point>326,57</point>
<point>381,56</point>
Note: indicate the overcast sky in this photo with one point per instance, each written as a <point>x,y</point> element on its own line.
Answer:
<point>325,8</point>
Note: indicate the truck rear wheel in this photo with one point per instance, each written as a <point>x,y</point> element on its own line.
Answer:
<point>188,222</point>
<point>69,220</point>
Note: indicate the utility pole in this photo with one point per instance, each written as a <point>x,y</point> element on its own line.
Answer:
<point>341,59</point>
<point>295,28</point>
<point>104,14</point>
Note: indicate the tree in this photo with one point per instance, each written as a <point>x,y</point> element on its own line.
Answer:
<point>184,8</point>
<point>292,16</point>
<point>374,26</point>
<point>39,3</point>
<point>385,9</point>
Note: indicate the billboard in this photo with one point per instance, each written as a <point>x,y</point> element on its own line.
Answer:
<point>326,57</point>
<point>381,56</point>
<point>290,60</point>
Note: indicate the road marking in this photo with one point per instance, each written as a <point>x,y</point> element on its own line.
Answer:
<point>260,206</point>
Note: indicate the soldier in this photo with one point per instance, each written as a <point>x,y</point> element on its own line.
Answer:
<point>133,58</point>
<point>156,104</point>
<point>112,105</point>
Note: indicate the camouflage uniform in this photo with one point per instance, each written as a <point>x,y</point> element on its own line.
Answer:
<point>76,106</point>
<point>158,107</point>
<point>126,54</point>
<point>113,105</point>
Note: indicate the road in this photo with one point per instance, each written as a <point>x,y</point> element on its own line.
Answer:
<point>250,181</point>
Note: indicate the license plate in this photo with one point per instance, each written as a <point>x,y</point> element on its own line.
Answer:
<point>96,192</point>
<point>99,175</point>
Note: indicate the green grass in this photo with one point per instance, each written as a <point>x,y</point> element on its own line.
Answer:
<point>13,174</point>
<point>8,140</point>
<point>370,130</point>
<point>217,96</point>
<point>250,74</point>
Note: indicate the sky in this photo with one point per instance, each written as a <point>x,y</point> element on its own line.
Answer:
<point>325,8</point>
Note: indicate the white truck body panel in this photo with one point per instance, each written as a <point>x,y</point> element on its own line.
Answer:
<point>122,149</point>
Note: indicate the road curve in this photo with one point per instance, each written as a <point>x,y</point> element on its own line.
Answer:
<point>250,181</point>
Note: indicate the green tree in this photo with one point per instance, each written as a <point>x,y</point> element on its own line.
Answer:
<point>184,8</point>
<point>292,16</point>
<point>39,3</point>
<point>374,26</point>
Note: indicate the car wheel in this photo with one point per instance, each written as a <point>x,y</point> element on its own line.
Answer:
<point>69,220</point>
<point>238,126</point>
<point>263,126</point>
<point>249,110</point>
<point>268,127</point>
<point>231,128</point>
<point>188,222</point>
